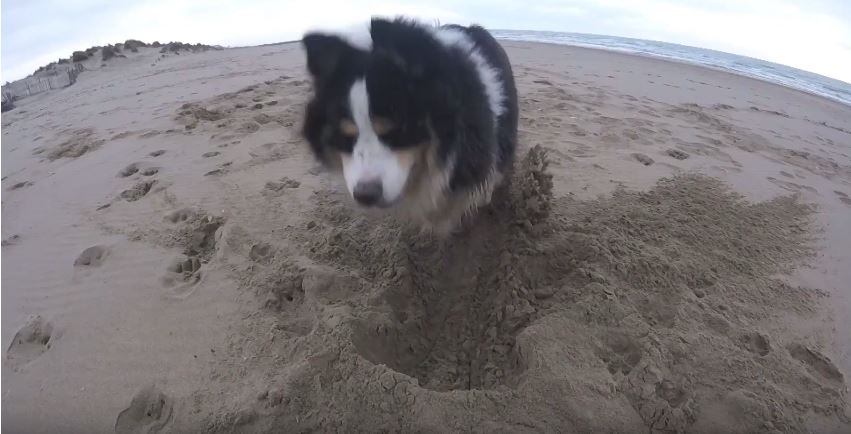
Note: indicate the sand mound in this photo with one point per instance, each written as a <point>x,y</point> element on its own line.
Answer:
<point>604,315</point>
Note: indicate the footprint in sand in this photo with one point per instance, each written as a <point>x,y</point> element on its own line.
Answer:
<point>131,169</point>
<point>643,159</point>
<point>248,127</point>
<point>203,237</point>
<point>180,215</point>
<point>283,184</point>
<point>182,276</point>
<point>677,154</point>
<point>222,170</point>
<point>261,252</point>
<point>756,343</point>
<point>631,134</point>
<point>157,153</point>
<point>210,154</point>
<point>11,241</point>
<point>199,234</point>
<point>816,362</point>
<point>150,411</point>
<point>33,339</point>
<point>263,119</point>
<point>92,257</point>
<point>141,168</point>
<point>843,197</point>
<point>269,152</point>
<point>122,135</point>
<point>138,191</point>
<point>20,185</point>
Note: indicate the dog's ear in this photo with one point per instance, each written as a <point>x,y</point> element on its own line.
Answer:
<point>406,43</point>
<point>381,30</point>
<point>325,53</point>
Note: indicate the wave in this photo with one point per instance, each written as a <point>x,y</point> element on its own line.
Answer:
<point>767,71</point>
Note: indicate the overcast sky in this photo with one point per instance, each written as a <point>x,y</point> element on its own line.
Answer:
<point>814,35</point>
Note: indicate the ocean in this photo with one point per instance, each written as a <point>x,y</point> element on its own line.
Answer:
<point>772,72</point>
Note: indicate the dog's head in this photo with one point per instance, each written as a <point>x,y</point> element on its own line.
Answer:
<point>372,108</point>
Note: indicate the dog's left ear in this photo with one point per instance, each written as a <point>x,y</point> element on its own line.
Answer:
<point>325,53</point>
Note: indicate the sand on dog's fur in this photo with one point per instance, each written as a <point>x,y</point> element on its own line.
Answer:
<point>177,262</point>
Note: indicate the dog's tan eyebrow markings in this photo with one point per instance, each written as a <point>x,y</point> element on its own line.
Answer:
<point>381,125</point>
<point>348,128</point>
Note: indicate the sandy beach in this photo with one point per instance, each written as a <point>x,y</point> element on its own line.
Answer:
<point>674,256</point>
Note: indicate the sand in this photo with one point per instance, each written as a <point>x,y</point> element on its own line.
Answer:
<point>672,256</point>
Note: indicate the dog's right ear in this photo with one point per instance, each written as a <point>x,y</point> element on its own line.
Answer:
<point>325,53</point>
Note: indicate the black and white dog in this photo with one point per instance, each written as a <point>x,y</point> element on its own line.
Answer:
<point>418,118</point>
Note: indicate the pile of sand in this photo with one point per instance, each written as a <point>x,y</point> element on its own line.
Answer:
<point>576,316</point>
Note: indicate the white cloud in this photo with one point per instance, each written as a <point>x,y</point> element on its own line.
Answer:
<point>779,31</point>
<point>33,37</point>
<point>809,34</point>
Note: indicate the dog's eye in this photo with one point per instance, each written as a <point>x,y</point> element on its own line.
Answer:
<point>347,144</point>
<point>382,125</point>
<point>348,128</point>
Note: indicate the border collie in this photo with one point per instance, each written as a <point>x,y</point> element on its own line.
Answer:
<point>417,118</point>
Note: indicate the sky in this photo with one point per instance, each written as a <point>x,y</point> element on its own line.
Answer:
<point>814,35</point>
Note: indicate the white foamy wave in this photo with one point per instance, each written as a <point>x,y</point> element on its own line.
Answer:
<point>772,72</point>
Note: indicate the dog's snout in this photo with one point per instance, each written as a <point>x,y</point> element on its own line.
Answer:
<point>368,193</point>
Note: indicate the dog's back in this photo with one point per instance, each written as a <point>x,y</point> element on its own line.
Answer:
<point>496,56</point>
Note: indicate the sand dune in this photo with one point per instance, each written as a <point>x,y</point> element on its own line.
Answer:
<point>673,256</point>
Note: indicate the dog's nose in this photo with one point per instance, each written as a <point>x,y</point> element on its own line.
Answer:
<point>368,193</point>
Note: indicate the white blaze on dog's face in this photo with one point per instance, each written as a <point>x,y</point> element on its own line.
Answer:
<point>375,174</point>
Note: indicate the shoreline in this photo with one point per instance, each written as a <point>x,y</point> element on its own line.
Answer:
<point>660,56</point>
<point>663,58</point>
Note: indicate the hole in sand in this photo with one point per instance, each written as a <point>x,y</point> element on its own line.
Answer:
<point>465,314</point>
<point>455,320</point>
<point>459,304</point>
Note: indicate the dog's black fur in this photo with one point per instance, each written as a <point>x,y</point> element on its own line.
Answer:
<point>431,91</point>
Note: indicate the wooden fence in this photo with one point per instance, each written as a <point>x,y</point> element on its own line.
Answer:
<point>58,78</point>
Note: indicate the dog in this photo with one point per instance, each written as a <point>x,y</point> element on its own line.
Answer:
<point>418,118</point>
